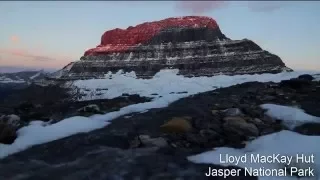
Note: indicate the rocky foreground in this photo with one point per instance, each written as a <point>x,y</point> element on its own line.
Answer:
<point>193,44</point>
<point>155,144</point>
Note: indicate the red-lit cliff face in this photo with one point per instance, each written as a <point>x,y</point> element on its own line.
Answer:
<point>119,40</point>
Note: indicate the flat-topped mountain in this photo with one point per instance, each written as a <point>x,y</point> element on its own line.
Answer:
<point>193,44</point>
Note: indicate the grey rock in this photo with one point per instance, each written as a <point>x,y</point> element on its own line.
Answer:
<point>240,126</point>
<point>11,119</point>
<point>147,141</point>
<point>256,121</point>
<point>267,119</point>
<point>89,109</point>
<point>233,112</point>
<point>8,127</point>
<point>208,133</point>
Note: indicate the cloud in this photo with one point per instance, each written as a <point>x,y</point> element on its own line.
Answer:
<point>23,53</point>
<point>200,7</point>
<point>14,39</point>
<point>267,6</point>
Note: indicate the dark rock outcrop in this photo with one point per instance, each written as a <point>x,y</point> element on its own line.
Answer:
<point>193,44</point>
<point>8,126</point>
<point>307,77</point>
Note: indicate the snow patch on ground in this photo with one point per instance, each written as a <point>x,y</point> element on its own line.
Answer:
<point>268,145</point>
<point>37,133</point>
<point>285,143</point>
<point>290,116</point>
<point>164,83</point>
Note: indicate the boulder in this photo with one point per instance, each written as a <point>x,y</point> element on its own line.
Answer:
<point>147,141</point>
<point>7,133</point>
<point>239,126</point>
<point>232,112</point>
<point>11,119</point>
<point>177,125</point>
<point>8,127</point>
<point>209,133</point>
<point>256,121</point>
<point>89,110</point>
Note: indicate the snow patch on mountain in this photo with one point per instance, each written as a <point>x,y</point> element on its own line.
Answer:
<point>36,75</point>
<point>164,83</point>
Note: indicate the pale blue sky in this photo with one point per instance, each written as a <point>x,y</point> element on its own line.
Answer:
<point>51,34</point>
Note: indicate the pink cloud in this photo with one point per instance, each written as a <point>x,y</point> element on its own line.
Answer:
<point>200,7</point>
<point>14,39</point>
<point>30,56</point>
<point>33,58</point>
<point>24,53</point>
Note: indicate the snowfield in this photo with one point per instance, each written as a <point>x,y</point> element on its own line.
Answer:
<point>164,84</point>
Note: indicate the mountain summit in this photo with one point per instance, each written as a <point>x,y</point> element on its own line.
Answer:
<point>193,44</point>
<point>119,40</point>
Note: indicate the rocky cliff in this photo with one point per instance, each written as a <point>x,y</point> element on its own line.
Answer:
<point>193,44</point>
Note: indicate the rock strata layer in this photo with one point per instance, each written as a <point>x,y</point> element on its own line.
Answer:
<point>193,44</point>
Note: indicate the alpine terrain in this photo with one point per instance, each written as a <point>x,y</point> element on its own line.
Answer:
<point>169,99</point>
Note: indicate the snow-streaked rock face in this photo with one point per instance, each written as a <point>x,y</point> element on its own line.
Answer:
<point>193,44</point>
<point>22,77</point>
